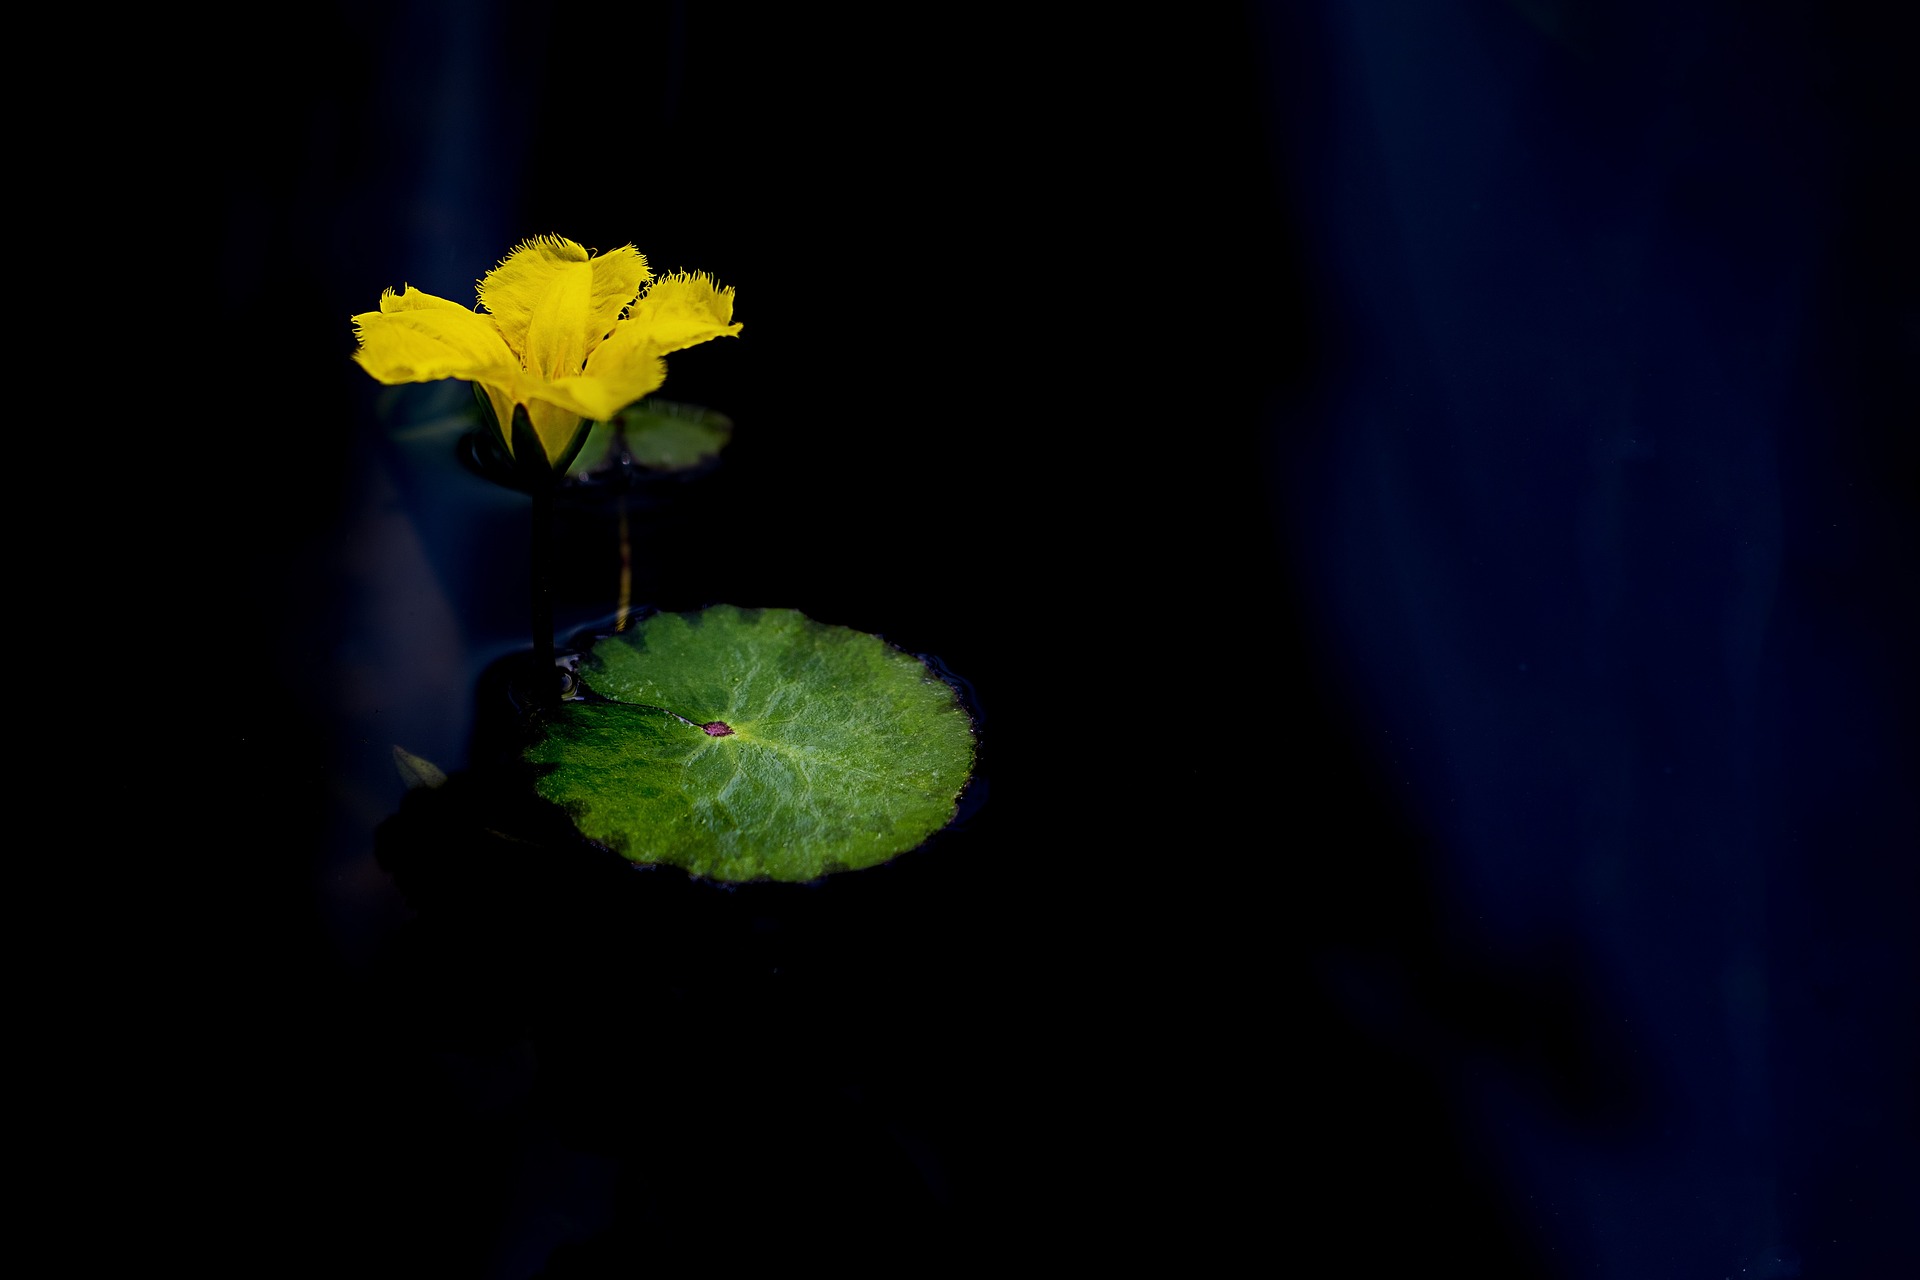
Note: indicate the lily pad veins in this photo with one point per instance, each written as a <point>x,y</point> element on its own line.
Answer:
<point>748,744</point>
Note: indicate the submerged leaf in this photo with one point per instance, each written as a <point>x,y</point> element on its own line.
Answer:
<point>747,744</point>
<point>658,435</point>
<point>417,771</point>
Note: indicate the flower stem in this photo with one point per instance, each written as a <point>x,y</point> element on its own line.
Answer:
<point>545,676</point>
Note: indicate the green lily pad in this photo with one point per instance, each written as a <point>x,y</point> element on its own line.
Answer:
<point>659,435</point>
<point>749,744</point>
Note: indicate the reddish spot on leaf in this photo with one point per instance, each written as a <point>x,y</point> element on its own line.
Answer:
<point>717,729</point>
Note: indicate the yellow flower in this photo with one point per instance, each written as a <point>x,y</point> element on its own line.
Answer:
<point>571,338</point>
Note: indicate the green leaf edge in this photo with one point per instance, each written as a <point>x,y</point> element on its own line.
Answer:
<point>579,727</point>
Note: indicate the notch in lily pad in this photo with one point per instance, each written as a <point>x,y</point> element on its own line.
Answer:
<point>755,744</point>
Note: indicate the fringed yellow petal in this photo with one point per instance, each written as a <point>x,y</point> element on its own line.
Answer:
<point>412,299</point>
<point>416,337</point>
<point>555,426</point>
<point>682,309</point>
<point>629,347</point>
<point>552,407</point>
<point>605,394</point>
<point>526,388</point>
<point>532,292</point>
<point>617,277</point>
<point>539,295</point>
<point>501,399</point>
<point>553,302</point>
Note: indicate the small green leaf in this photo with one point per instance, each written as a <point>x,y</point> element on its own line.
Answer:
<point>748,744</point>
<point>433,412</point>
<point>658,435</point>
<point>417,771</point>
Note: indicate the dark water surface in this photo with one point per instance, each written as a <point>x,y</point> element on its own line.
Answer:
<point>1422,495</point>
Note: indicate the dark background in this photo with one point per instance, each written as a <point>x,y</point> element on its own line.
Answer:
<point>1423,497</point>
